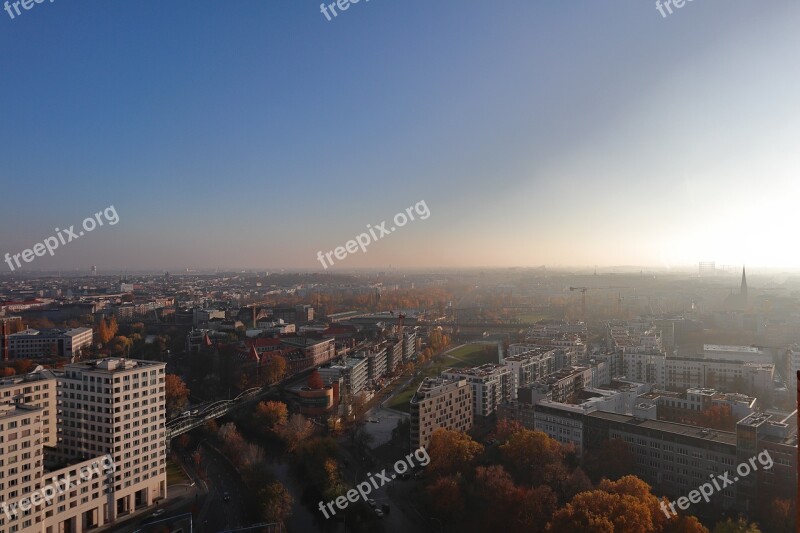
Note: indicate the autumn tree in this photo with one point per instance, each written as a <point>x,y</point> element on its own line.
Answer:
<point>739,525</point>
<point>603,512</point>
<point>102,332</point>
<point>275,369</point>
<point>446,498</point>
<point>176,393</point>
<point>503,497</point>
<point>537,508</point>
<point>684,524</point>
<point>316,461</point>
<point>113,327</point>
<point>270,414</point>
<point>333,486</point>
<point>533,458</point>
<point>505,428</point>
<point>296,429</point>
<point>276,502</point>
<point>452,451</point>
<point>625,505</point>
<point>781,516</point>
<point>107,330</point>
<point>22,366</point>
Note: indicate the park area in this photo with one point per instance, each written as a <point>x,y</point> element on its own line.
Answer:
<point>466,355</point>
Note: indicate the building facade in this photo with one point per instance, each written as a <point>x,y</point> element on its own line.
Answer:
<point>492,385</point>
<point>440,403</point>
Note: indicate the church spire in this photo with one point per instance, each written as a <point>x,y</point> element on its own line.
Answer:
<point>743,290</point>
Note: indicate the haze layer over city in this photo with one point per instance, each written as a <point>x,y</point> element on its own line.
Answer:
<point>372,266</point>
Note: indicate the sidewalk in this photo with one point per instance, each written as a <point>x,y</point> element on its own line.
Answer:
<point>178,495</point>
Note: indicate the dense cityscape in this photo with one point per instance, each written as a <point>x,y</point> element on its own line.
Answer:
<point>268,400</point>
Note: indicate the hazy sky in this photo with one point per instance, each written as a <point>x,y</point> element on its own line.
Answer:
<point>256,133</point>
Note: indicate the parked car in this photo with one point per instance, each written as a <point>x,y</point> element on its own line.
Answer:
<point>379,513</point>
<point>226,497</point>
<point>159,512</point>
<point>372,503</point>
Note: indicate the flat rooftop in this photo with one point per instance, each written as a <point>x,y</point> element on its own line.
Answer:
<point>721,437</point>
<point>729,348</point>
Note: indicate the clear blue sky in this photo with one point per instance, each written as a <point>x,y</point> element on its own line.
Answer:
<point>252,134</point>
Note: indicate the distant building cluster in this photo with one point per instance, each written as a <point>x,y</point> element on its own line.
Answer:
<point>682,417</point>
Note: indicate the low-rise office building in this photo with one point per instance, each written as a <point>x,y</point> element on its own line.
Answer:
<point>34,344</point>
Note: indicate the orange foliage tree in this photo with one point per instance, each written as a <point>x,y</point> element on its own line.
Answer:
<point>452,451</point>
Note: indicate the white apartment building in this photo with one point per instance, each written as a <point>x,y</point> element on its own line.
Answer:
<point>794,359</point>
<point>37,389</point>
<point>440,403</point>
<point>725,376</point>
<point>21,464</point>
<point>117,407</point>
<point>491,384</point>
<point>111,425</point>
<point>722,352</point>
<point>34,344</point>
<point>527,367</point>
<point>562,422</point>
<point>377,363</point>
<point>355,373</point>
<point>645,367</point>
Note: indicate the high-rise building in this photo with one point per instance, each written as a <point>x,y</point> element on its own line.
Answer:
<point>37,389</point>
<point>109,438</point>
<point>117,407</point>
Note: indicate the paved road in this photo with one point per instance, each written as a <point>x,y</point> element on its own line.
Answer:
<point>301,520</point>
<point>386,422</point>
<point>217,514</point>
<point>401,519</point>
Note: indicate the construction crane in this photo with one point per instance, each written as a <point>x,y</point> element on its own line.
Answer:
<point>583,299</point>
<point>583,296</point>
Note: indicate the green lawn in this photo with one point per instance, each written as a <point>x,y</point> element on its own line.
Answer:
<point>470,355</point>
<point>464,356</point>
<point>175,475</point>
<point>531,318</point>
